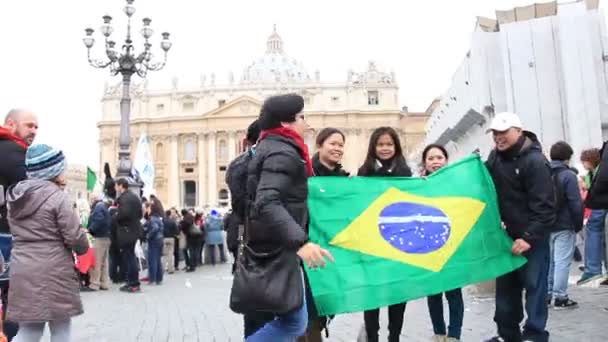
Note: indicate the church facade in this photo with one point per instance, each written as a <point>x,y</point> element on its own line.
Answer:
<point>195,133</point>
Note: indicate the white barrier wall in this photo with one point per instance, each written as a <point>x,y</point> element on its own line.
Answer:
<point>549,70</point>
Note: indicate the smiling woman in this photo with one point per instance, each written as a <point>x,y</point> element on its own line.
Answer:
<point>330,145</point>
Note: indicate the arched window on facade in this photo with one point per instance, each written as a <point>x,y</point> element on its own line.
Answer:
<point>223,149</point>
<point>159,152</point>
<point>223,197</point>
<point>223,194</point>
<point>189,151</point>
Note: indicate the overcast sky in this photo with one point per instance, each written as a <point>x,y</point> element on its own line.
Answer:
<point>43,60</point>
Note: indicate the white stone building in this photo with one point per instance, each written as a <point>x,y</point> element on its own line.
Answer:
<point>195,132</point>
<point>546,62</point>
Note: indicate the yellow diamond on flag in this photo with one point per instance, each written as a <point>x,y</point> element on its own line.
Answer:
<point>415,230</point>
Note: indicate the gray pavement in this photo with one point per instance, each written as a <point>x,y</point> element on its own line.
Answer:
<point>194,307</point>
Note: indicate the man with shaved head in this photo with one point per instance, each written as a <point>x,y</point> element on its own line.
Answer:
<point>16,134</point>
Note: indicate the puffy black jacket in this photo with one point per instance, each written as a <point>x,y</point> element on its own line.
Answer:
<point>570,212</point>
<point>522,176</point>
<point>597,198</point>
<point>12,169</point>
<point>277,181</point>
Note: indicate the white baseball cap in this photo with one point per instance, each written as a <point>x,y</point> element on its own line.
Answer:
<point>503,121</point>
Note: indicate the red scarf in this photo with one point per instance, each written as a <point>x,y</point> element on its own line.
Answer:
<point>291,134</point>
<point>5,134</point>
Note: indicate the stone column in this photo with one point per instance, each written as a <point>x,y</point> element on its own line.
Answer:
<point>212,170</point>
<point>354,144</point>
<point>352,150</point>
<point>231,146</point>
<point>202,186</point>
<point>173,188</point>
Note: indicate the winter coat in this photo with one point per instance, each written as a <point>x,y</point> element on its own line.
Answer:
<point>100,221</point>
<point>321,170</point>
<point>277,179</point>
<point>12,168</point>
<point>394,168</point>
<point>570,211</point>
<point>597,197</point>
<point>128,217</point>
<point>170,228</point>
<point>522,177</point>
<point>154,228</point>
<point>214,227</point>
<point>44,283</point>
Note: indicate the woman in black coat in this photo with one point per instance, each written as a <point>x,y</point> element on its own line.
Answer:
<point>385,159</point>
<point>326,162</point>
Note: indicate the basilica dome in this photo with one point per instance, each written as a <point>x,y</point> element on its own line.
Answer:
<point>275,66</point>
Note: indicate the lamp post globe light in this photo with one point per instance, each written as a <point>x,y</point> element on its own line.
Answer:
<point>126,62</point>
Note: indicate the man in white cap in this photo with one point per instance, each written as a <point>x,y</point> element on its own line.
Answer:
<point>522,176</point>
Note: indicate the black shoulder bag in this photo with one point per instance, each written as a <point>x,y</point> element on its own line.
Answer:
<point>265,281</point>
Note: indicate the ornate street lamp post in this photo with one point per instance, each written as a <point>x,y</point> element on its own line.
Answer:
<point>126,62</point>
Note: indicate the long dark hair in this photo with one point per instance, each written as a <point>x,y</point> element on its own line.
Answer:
<point>326,133</point>
<point>370,159</point>
<point>157,207</point>
<point>426,150</point>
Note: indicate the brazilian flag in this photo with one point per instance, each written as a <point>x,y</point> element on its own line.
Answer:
<point>397,239</point>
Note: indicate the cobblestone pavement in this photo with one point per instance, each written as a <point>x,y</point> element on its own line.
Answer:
<point>194,307</point>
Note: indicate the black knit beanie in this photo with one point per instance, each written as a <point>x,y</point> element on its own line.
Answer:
<point>253,132</point>
<point>280,108</point>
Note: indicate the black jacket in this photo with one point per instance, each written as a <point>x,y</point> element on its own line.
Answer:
<point>321,170</point>
<point>395,168</point>
<point>12,171</point>
<point>170,229</point>
<point>597,197</point>
<point>570,212</point>
<point>277,181</point>
<point>129,216</point>
<point>522,177</point>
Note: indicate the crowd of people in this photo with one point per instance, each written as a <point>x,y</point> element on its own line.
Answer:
<point>541,200</point>
<point>132,234</point>
<point>545,207</point>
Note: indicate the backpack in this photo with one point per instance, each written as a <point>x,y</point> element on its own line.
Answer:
<point>236,179</point>
<point>558,191</point>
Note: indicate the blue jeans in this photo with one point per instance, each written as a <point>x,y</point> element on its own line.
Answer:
<point>531,277</point>
<point>594,242</point>
<point>284,328</point>
<point>155,265</point>
<point>456,307</point>
<point>562,251</point>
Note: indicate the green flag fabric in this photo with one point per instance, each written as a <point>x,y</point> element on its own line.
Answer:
<point>398,239</point>
<point>91,179</point>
